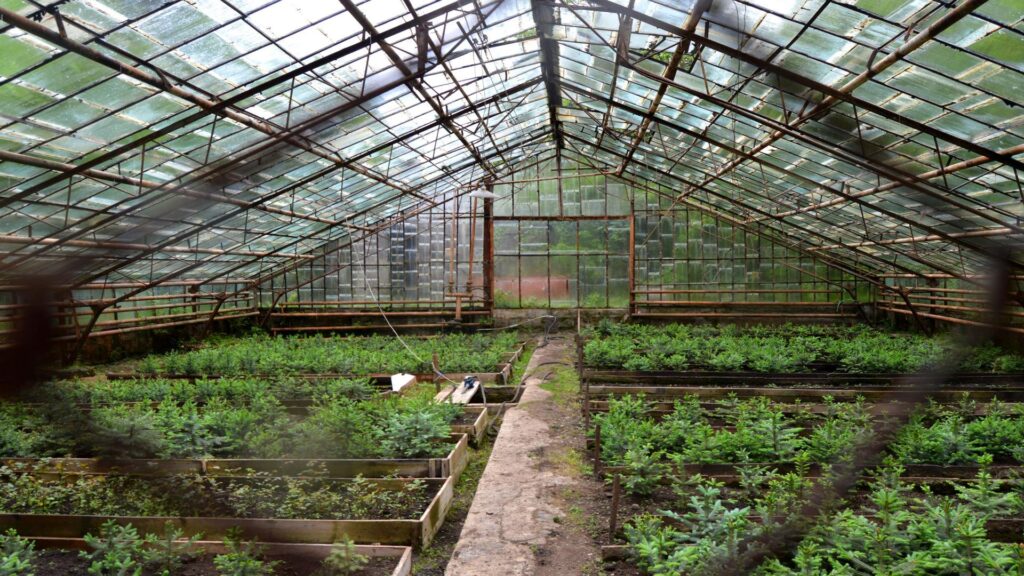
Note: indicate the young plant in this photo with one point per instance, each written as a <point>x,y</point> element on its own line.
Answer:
<point>117,551</point>
<point>165,554</point>
<point>344,559</point>
<point>16,554</point>
<point>242,558</point>
<point>645,469</point>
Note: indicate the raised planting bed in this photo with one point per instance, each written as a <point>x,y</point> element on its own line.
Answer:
<point>733,474</point>
<point>787,353</point>
<point>60,556</point>
<point>451,465</point>
<point>386,511</point>
<point>873,394</point>
<point>331,427</point>
<point>704,378</point>
<point>689,524</point>
<point>758,430</point>
<point>658,409</point>
<point>473,422</point>
<point>490,357</point>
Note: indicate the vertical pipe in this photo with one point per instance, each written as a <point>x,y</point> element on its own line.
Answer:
<point>488,257</point>
<point>632,257</point>
<point>472,247</point>
<point>453,253</point>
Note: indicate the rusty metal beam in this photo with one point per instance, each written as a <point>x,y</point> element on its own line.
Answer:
<point>451,74</point>
<point>257,150</point>
<point>849,157</point>
<point>418,86</point>
<point>99,174</point>
<point>821,108</point>
<point>153,185</point>
<point>114,245</point>
<point>988,233</point>
<point>948,169</point>
<point>696,13</point>
<point>473,107</point>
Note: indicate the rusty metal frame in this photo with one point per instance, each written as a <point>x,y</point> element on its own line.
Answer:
<point>826,90</point>
<point>704,188</point>
<point>692,19</point>
<point>260,148</point>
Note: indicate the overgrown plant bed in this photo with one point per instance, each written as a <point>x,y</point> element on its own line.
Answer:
<point>794,379</point>
<point>758,430</point>
<point>490,357</point>
<point>302,509</point>
<point>178,556</point>
<point>943,394</point>
<point>888,526</point>
<point>787,352</point>
<point>659,409</point>
<point>261,426</point>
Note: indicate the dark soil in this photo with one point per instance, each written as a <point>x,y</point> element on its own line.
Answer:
<point>466,418</point>
<point>65,562</point>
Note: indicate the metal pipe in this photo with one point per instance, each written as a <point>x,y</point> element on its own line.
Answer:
<point>946,170</point>
<point>915,239</point>
<point>952,319</point>
<point>472,245</point>
<point>114,245</point>
<point>150,184</point>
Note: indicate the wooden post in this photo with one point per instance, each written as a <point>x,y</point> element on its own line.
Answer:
<point>614,518</point>
<point>597,451</point>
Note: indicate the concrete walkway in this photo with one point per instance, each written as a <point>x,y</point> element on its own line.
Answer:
<point>516,513</point>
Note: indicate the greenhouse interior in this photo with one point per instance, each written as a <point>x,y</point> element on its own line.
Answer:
<point>511,287</point>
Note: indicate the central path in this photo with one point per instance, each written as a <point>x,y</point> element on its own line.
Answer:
<point>520,521</point>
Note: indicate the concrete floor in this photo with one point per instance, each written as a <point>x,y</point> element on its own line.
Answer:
<point>514,524</point>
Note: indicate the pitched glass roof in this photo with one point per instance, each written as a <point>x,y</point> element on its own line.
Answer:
<point>160,139</point>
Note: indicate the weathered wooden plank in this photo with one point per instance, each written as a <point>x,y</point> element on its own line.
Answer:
<point>418,532</point>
